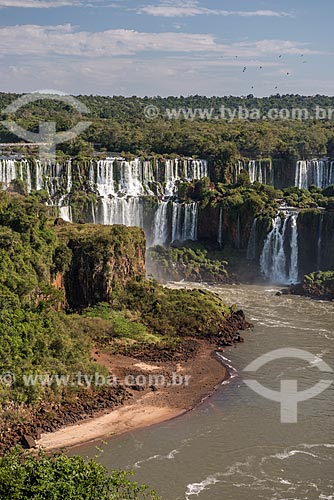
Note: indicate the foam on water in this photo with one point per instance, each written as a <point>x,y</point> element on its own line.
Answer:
<point>292,453</point>
<point>197,488</point>
<point>170,456</point>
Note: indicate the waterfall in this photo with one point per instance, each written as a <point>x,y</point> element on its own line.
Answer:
<point>258,171</point>
<point>197,169</point>
<point>279,258</point>
<point>319,173</point>
<point>253,172</point>
<point>69,177</point>
<point>93,213</point>
<point>252,243</point>
<point>272,260</point>
<point>104,177</point>
<point>130,180</point>
<point>125,211</point>
<point>160,224</point>
<point>184,222</point>
<point>220,228</point>
<point>52,177</point>
<point>301,178</point>
<point>7,172</point>
<point>120,185</point>
<point>91,175</point>
<point>65,212</point>
<point>28,176</point>
<point>171,177</point>
<point>294,273</point>
<point>188,170</point>
<point>39,176</point>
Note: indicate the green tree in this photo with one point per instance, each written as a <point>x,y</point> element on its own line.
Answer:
<point>58,477</point>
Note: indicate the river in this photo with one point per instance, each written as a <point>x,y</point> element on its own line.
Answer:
<point>234,446</point>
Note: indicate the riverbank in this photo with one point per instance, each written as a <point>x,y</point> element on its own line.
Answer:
<point>235,446</point>
<point>149,406</point>
<point>317,286</point>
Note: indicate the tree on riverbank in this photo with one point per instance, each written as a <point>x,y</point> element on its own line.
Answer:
<point>58,477</point>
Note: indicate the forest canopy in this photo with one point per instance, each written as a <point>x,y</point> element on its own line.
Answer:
<point>121,124</point>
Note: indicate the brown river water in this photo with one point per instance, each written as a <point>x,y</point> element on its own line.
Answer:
<point>233,446</point>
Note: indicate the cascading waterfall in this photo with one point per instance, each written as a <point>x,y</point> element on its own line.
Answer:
<point>319,173</point>
<point>28,175</point>
<point>69,177</point>
<point>160,224</point>
<point>65,212</point>
<point>252,243</point>
<point>258,171</point>
<point>125,211</point>
<point>293,272</point>
<point>39,176</point>
<point>121,187</point>
<point>171,177</point>
<point>185,218</point>
<point>279,258</point>
<point>7,172</point>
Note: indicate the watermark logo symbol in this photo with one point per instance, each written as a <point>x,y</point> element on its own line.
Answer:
<point>289,396</point>
<point>151,112</point>
<point>47,138</point>
<point>7,379</point>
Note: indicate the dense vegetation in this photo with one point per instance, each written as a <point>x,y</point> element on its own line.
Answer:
<point>191,263</point>
<point>119,124</point>
<point>318,285</point>
<point>59,477</point>
<point>41,336</point>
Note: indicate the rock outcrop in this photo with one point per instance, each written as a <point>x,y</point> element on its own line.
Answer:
<point>103,258</point>
<point>318,286</point>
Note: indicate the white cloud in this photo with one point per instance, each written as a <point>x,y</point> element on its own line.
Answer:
<point>189,8</point>
<point>49,4</point>
<point>63,41</point>
<point>43,4</point>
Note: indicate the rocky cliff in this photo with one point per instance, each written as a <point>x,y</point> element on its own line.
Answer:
<point>103,258</point>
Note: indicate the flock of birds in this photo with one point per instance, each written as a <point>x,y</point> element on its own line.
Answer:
<point>261,67</point>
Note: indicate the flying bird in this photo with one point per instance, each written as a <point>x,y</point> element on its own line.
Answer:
<point>280,56</point>
<point>261,67</point>
<point>244,69</point>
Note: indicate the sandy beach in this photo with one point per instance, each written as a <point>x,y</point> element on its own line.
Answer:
<point>146,407</point>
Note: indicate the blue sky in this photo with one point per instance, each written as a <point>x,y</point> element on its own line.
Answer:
<point>167,47</point>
